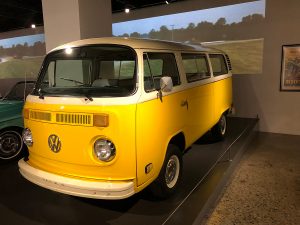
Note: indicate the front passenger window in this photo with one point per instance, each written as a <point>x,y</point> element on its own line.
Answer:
<point>157,65</point>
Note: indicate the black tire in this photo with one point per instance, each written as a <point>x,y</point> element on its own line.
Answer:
<point>219,130</point>
<point>170,174</point>
<point>11,145</point>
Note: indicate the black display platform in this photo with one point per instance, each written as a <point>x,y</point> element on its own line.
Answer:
<point>206,166</point>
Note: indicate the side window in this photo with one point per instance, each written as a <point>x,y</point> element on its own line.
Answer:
<point>218,64</point>
<point>157,65</point>
<point>195,66</point>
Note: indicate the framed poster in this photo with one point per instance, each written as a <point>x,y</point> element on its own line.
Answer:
<point>290,68</point>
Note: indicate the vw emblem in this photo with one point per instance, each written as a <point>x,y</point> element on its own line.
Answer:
<point>54,143</point>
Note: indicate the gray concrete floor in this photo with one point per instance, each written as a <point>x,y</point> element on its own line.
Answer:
<point>265,187</point>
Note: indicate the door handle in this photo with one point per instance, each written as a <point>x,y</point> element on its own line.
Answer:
<point>185,103</point>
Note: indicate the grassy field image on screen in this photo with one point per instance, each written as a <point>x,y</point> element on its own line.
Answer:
<point>246,56</point>
<point>18,68</point>
<point>235,29</point>
<point>22,56</point>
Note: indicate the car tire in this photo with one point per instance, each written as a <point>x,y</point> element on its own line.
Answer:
<point>11,145</point>
<point>170,174</point>
<point>219,130</point>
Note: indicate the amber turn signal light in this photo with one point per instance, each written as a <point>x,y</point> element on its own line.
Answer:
<point>26,113</point>
<point>101,120</point>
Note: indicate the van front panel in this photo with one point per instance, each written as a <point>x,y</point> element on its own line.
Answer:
<point>76,157</point>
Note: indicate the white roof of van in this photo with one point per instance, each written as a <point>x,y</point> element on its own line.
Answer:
<point>137,43</point>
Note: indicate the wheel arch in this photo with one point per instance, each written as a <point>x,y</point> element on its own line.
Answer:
<point>14,128</point>
<point>227,111</point>
<point>179,141</point>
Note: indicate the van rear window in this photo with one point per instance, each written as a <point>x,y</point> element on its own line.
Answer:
<point>195,66</point>
<point>218,64</point>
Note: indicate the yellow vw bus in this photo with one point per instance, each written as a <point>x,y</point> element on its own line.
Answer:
<point>110,116</point>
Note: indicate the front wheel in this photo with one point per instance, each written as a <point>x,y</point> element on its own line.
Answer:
<point>219,130</point>
<point>170,175</point>
<point>10,145</point>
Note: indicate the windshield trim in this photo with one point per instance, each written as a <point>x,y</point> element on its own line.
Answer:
<point>51,56</point>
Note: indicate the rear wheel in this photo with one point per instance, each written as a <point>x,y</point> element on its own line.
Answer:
<point>11,144</point>
<point>170,175</point>
<point>219,130</point>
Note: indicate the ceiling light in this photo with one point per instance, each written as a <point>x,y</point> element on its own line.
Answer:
<point>33,26</point>
<point>127,10</point>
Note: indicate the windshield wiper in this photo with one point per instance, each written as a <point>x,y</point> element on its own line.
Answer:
<point>75,81</point>
<point>88,97</point>
<point>41,95</point>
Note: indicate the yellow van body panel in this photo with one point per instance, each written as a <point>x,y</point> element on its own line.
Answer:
<point>223,97</point>
<point>200,111</point>
<point>157,122</point>
<point>76,157</point>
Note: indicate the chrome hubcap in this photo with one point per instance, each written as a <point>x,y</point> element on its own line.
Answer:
<point>172,171</point>
<point>223,124</point>
<point>10,145</point>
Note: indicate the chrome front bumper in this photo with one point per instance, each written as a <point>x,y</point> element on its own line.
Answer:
<point>77,187</point>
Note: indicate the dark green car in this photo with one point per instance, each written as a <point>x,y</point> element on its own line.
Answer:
<point>11,121</point>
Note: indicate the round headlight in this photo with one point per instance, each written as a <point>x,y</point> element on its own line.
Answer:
<point>27,137</point>
<point>104,150</point>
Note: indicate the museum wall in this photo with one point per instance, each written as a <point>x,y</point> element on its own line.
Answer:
<point>279,112</point>
<point>82,19</point>
<point>57,20</point>
<point>255,94</point>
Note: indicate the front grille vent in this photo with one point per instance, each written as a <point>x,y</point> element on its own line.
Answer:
<point>75,119</point>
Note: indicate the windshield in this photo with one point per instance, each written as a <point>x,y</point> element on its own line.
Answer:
<point>91,71</point>
<point>19,91</point>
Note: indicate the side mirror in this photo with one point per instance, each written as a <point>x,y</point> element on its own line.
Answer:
<point>166,84</point>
